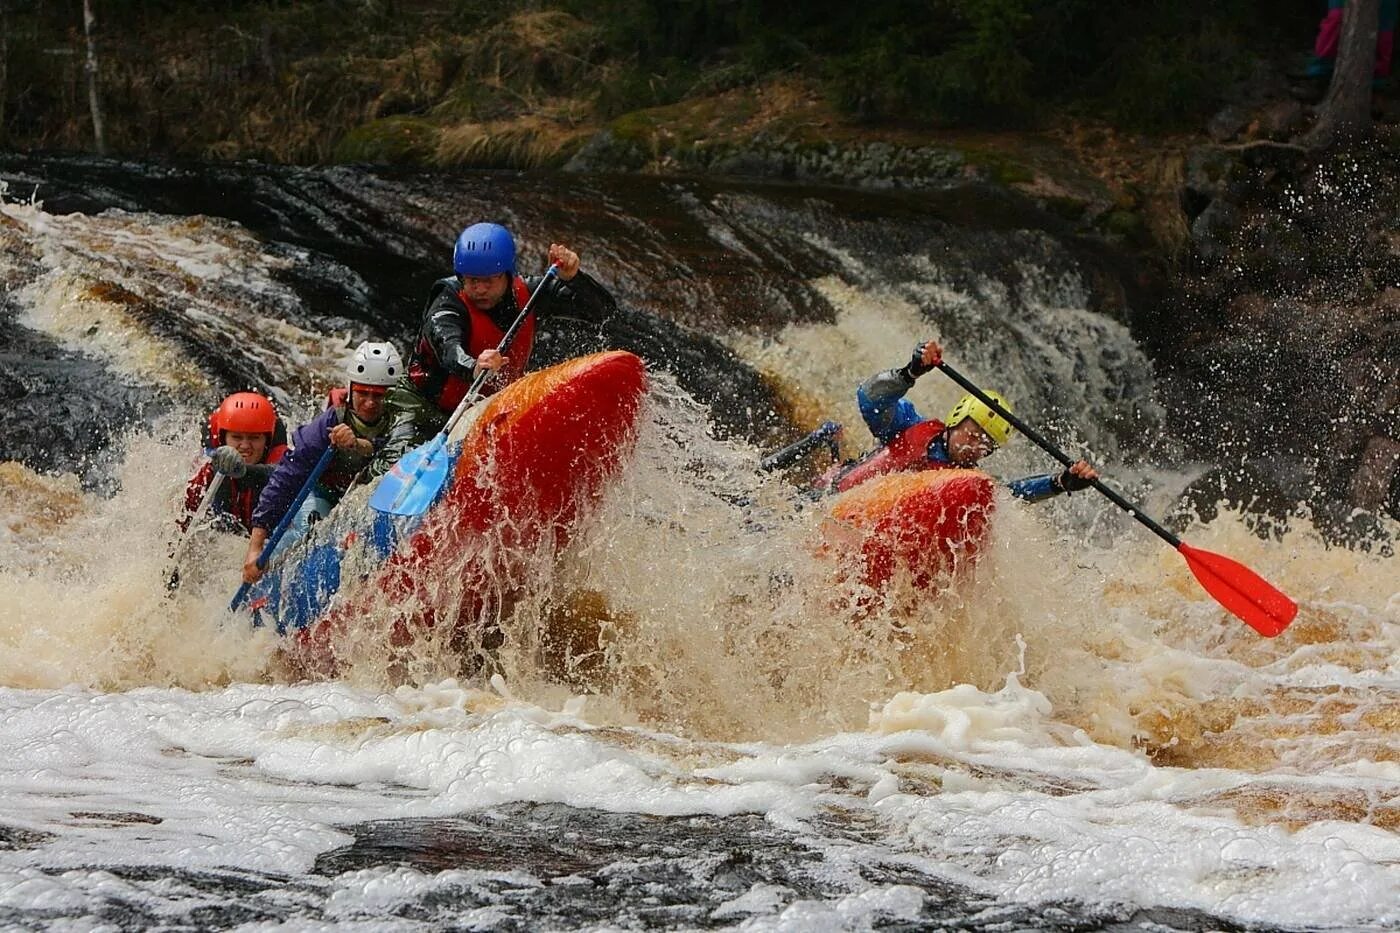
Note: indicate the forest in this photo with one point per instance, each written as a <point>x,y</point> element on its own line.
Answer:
<point>290,80</point>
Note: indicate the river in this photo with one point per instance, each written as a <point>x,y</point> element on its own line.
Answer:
<point>1077,737</point>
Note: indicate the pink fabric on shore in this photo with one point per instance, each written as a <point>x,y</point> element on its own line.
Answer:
<point>1329,34</point>
<point>1329,31</point>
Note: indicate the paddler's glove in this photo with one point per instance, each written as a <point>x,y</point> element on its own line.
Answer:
<point>915,367</point>
<point>229,462</point>
<point>1071,482</point>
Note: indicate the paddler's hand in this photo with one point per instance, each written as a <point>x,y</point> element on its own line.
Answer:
<point>490,360</point>
<point>565,259</point>
<point>343,437</point>
<point>251,571</point>
<point>1077,477</point>
<point>926,357</point>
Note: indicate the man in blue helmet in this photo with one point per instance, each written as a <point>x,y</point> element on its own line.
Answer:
<point>466,316</point>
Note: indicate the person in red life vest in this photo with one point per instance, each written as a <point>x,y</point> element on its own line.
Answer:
<point>909,441</point>
<point>466,316</point>
<point>248,441</point>
<point>354,424</point>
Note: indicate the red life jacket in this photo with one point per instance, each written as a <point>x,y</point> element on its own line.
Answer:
<point>234,498</point>
<point>447,389</point>
<point>908,451</point>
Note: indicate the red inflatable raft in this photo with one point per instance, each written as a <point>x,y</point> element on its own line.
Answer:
<point>533,458</point>
<point>926,525</point>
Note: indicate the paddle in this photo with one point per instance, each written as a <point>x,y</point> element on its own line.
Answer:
<point>782,459</point>
<point>1240,590</point>
<point>414,482</point>
<point>186,536</point>
<point>285,523</point>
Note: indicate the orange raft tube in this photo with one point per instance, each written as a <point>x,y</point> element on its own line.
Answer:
<point>925,525</point>
<point>533,458</point>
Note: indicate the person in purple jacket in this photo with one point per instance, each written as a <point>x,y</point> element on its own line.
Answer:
<point>354,425</point>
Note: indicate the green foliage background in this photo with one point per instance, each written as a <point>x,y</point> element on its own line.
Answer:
<point>224,77</point>
<point>1145,63</point>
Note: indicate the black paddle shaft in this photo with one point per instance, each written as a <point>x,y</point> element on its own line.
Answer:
<point>1058,454</point>
<point>826,434</point>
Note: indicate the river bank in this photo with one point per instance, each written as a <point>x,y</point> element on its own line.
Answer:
<point>1235,243</point>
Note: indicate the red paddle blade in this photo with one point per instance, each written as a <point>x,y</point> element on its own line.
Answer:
<point>1240,590</point>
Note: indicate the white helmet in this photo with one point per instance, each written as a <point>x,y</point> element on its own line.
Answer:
<point>375,364</point>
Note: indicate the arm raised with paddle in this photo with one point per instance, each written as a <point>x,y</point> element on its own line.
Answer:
<point>415,481</point>
<point>462,327</point>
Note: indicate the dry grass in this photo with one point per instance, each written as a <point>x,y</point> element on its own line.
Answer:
<point>523,143</point>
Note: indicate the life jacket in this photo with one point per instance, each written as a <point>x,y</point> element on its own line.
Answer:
<point>907,451</point>
<point>446,389</point>
<point>347,464</point>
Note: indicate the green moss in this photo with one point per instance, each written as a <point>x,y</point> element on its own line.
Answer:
<point>635,127</point>
<point>1001,168</point>
<point>391,141</point>
<point>1125,224</point>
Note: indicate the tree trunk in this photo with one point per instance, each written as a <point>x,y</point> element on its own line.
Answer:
<point>94,104</point>
<point>1345,113</point>
<point>4,63</point>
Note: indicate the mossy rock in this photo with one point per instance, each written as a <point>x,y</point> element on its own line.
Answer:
<point>1126,225</point>
<point>636,127</point>
<point>1002,170</point>
<point>1070,208</point>
<point>605,151</point>
<point>399,140</point>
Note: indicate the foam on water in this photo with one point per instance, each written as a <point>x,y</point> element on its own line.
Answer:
<point>1006,801</point>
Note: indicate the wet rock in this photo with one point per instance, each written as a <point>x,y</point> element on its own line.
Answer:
<point>606,151</point>
<point>1280,120</point>
<point>60,410</point>
<point>1273,492</point>
<point>1375,486</point>
<point>1356,529</point>
<point>558,867</point>
<point>1227,123</point>
<point>1207,173</point>
<point>1213,229</point>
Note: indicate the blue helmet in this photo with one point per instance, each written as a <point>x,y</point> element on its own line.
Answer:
<point>484,249</point>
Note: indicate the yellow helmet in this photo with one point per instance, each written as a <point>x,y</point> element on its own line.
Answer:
<point>969,406</point>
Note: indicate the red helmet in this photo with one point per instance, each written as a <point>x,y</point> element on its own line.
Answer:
<point>246,412</point>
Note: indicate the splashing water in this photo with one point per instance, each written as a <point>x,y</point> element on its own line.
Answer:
<point>1075,720</point>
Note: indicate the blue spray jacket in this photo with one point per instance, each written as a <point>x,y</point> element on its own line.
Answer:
<point>311,440</point>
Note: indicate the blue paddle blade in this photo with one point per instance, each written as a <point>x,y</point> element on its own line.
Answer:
<point>415,481</point>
